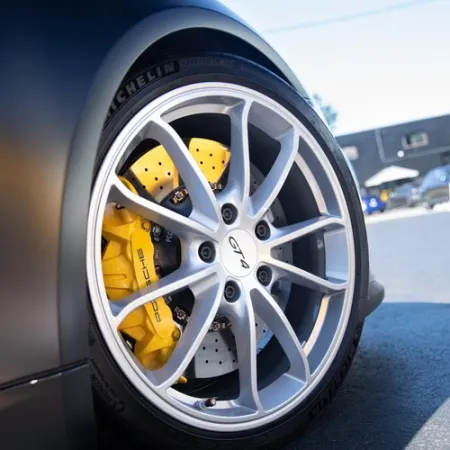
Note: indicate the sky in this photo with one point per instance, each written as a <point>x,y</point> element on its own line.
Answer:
<point>376,71</point>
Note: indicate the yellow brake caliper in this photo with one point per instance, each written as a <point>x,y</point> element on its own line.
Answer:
<point>128,258</point>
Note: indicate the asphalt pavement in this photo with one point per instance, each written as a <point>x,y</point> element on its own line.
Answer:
<point>397,393</point>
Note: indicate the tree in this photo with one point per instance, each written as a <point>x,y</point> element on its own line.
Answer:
<point>331,115</point>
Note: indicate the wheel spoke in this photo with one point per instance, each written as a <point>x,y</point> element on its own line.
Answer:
<point>330,285</point>
<point>268,191</point>
<point>178,224</point>
<point>203,199</point>
<point>270,312</point>
<point>296,231</point>
<point>207,300</point>
<point>185,276</point>
<point>242,319</point>
<point>238,184</point>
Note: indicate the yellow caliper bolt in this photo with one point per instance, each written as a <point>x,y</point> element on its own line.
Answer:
<point>145,225</point>
<point>176,334</point>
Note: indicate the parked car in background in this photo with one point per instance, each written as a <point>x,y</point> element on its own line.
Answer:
<point>407,194</point>
<point>435,187</point>
<point>372,203</point>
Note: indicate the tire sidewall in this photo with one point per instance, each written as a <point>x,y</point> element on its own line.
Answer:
<point>114,394</point>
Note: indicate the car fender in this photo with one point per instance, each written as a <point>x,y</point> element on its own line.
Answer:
<point>60,71</point>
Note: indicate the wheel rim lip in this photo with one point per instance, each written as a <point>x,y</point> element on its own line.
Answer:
<point>174,404</point>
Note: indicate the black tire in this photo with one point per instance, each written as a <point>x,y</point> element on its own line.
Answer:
<point>124,415</point>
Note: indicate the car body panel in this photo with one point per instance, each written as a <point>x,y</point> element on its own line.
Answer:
<point>60,69</point>
<point>62,66</point>
<point>49,412</point>
<point>58,84</point>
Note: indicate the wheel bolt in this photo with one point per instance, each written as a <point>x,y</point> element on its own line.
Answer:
<point>264,275</point>
<point>232,291</point>
<point>207,252</point>
<point>229,213</point>
<point>262,230</point>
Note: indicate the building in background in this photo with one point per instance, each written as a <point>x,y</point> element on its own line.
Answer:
<point>420,145</point>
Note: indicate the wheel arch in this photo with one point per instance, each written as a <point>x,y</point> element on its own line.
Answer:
<point>211,26</point>
<point>184,29</point>
<point>240,41</point>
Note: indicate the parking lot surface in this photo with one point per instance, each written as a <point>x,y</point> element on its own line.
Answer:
<point>397,394</point>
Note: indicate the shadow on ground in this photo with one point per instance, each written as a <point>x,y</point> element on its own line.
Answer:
<point>396,392</point>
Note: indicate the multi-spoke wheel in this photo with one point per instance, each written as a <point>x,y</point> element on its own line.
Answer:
<point>226,260</point>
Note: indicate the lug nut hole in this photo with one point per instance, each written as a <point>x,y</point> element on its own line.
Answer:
<point>229,213</point>
<point>264,275</point>
<point>207,252</point>
<point>232,291</point>
<point>262,230</point>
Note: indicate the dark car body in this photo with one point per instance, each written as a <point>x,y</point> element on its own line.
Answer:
<point>405,195</point>
<point>60,71</point>
<point>435,187</point>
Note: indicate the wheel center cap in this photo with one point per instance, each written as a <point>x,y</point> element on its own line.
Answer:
<point>238,253</point>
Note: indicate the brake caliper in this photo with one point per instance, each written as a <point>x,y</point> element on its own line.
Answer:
<point>129,254</point>
<point>128,266</point>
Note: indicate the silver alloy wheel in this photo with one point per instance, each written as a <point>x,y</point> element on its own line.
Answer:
<point>239,254</point>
